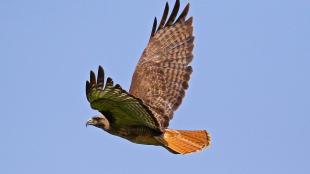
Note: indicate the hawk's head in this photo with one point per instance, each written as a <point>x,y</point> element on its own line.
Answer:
<point>99,121</point>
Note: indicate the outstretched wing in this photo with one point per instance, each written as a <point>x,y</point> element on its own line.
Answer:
<point>162,74</point>
<point>120,108</point>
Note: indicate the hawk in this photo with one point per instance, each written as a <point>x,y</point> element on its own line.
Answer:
<point>158,86</point>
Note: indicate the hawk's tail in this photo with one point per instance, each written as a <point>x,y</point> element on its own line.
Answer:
<point>185,141</point>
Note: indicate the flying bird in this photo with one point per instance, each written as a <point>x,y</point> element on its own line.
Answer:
<point>157,89</point>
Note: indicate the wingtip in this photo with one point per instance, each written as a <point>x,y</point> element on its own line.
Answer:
<point>187,5</point>
<point>177,2</point>
<point>171,20</point>
<point>164,17</point>
<point>174,13</point>
<point>118,86</point>
<point>166,7</point>
<point>154,27</point>
<point>87,87</point>
<point>109,81</point>
<point>92,78</point>
<point>100,77</point>
<point>184,13</point>
<point>100,68</point>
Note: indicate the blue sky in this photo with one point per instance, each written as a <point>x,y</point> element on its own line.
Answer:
<point>249,89</point>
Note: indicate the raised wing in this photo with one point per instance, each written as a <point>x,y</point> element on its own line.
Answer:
<point>120,108</point>
<point>162,74</point>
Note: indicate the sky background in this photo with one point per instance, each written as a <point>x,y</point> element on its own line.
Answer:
<point>249,89</point>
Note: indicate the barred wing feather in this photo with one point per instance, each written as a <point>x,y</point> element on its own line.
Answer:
<point>162,73</point>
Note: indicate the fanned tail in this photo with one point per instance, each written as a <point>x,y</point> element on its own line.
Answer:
<point>185,141</point>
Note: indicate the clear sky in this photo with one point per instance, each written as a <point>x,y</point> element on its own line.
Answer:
<point>249,89</point>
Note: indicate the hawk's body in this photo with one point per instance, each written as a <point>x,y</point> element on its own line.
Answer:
<point>158,87</point>
<point>139,135</point>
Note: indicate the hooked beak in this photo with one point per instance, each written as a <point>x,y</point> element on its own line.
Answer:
<point>89,122</point>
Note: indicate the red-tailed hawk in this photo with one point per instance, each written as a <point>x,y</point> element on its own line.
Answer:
<point>158,86</point>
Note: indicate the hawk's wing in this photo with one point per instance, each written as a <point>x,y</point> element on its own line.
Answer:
<point>120,108</point>
<point>162,74</point>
